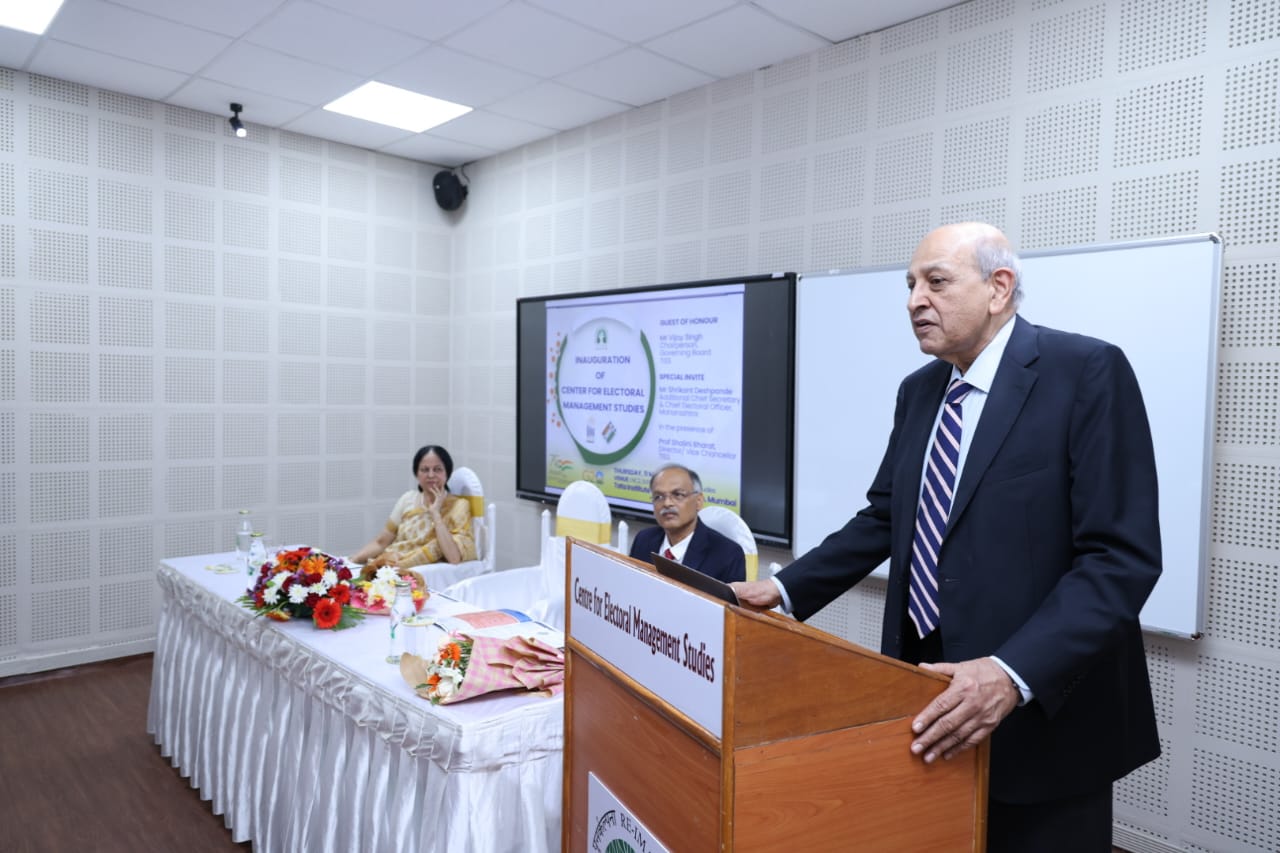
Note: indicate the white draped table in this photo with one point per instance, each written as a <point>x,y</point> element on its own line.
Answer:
<point>307,740</point>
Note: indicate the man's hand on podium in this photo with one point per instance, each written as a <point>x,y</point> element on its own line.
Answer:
<point>980,695</point>
<point>759,594</point>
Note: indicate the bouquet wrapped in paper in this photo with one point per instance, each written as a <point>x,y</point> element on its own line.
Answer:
<point>465,667</point>
<point>374,589</point>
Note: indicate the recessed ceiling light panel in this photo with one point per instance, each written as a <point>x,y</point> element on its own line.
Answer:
<point>395,107</point>
<point>30,16</point>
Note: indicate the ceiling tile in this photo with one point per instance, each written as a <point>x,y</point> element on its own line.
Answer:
<point>530,67</point>
<point>16,47</point>
<point>328,37</point>
<point>261,70</point>
<point>135,36</point>
<point>534,41</point>
<point>488,130</point>
<point>457,77</point>
<point>353,131</point>
<point>211,96</point>
<point>429,19</point>
<point>442,152</point>
<point>837,20</point>
<point>74,63</point>
<point>741,39</point>
<point>635,77</point>
<point>634,22</point>
<point>556,106</point>
<point>229,17</point>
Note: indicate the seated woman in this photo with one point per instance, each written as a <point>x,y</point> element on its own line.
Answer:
<point>427,525</point>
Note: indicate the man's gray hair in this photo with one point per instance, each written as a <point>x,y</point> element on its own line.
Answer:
<point>673,466</point>
<point>991,254</point>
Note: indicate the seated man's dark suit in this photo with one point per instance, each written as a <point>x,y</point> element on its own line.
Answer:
<point>710,552</point>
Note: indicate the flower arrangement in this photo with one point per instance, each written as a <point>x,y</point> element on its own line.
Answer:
<point>375,589</point>
<point>466,666</point>
<point>306,584</point>
<point>445,673</point>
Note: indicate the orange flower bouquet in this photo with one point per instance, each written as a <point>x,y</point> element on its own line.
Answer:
<point>304,584</point>
<point>465,667</point>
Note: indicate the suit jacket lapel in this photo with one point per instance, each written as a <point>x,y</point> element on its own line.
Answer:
<point>697,545</point>
<point>1013,382</point>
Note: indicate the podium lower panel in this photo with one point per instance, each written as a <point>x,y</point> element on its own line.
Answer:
<point>669,780</point>
<point>854,789</point>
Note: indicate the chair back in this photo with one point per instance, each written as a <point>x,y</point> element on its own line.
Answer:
<point>466,484</point>
<point>583,513</point>
<point>728,523</point>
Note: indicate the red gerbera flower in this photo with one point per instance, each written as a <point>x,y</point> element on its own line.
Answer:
<point>340,593</point>
<point>328,613</point>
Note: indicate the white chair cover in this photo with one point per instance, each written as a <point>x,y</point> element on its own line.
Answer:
<point>583,513</point>
<point>465,483</point>
<point>730,524</point>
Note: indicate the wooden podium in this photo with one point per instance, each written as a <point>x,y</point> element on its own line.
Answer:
<point>812,748</point>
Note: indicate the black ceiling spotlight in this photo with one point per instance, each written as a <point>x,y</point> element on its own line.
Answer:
<point>450,192</point>
<point>236,124</point>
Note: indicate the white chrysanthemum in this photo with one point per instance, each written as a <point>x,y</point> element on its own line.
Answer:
<point>276,580</point>
<point>318,588</point>
<point>271,594</point>
<point>297,593</point>
<point>387,574</point>
<point>383,590</point>
<point>329,578</point>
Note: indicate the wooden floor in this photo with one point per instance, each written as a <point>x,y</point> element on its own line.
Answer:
<point>78,771</point>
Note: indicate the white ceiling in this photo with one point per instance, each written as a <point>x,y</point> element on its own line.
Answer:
<point>529,67</point>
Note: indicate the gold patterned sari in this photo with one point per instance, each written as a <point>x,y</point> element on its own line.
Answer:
<point>415,536</point>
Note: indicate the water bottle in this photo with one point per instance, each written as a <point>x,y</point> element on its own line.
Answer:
<point>257,553</point>
<point>243,531</point>
<point>401,609</point>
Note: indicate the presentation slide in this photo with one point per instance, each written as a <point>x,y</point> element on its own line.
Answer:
<point>636,380</point>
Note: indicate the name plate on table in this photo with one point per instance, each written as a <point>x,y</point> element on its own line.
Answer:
<point>666,638</point>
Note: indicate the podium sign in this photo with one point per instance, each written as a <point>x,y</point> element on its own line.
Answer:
<point>668,639</point>
<point>611,821</point>
<point>691,724</point>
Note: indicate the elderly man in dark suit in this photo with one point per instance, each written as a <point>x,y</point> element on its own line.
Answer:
<point>1016,504</point>
<point>680,536</point>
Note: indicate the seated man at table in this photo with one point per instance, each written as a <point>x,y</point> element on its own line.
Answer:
<point>680,536</point>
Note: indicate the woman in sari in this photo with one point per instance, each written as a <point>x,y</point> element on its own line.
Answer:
<point>427,525</point>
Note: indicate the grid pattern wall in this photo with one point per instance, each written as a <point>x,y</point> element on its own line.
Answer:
<point>191,324</point>
<point>1064,122</point>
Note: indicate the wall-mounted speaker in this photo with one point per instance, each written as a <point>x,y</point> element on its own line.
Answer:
<point>450,192</point>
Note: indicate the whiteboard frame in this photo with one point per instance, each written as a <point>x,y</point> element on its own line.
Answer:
<point>871,378</point>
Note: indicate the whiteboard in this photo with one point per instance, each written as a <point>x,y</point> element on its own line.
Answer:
<point>1158,300</point>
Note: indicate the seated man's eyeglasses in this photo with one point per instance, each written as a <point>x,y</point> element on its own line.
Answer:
<point>679,496</point>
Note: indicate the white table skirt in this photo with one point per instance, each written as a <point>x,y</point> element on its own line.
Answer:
<point>307,740</point>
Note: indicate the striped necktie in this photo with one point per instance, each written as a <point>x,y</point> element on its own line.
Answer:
<point>935,506</point>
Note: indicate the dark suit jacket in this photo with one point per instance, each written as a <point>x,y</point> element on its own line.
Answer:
<point>709,551</point>
<point>1051,549</point>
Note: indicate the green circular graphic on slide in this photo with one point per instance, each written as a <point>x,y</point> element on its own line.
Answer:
<point>617,845</point>
<point>605,383</point>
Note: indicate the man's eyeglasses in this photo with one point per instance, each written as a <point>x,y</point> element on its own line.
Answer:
<point>677,496</point>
